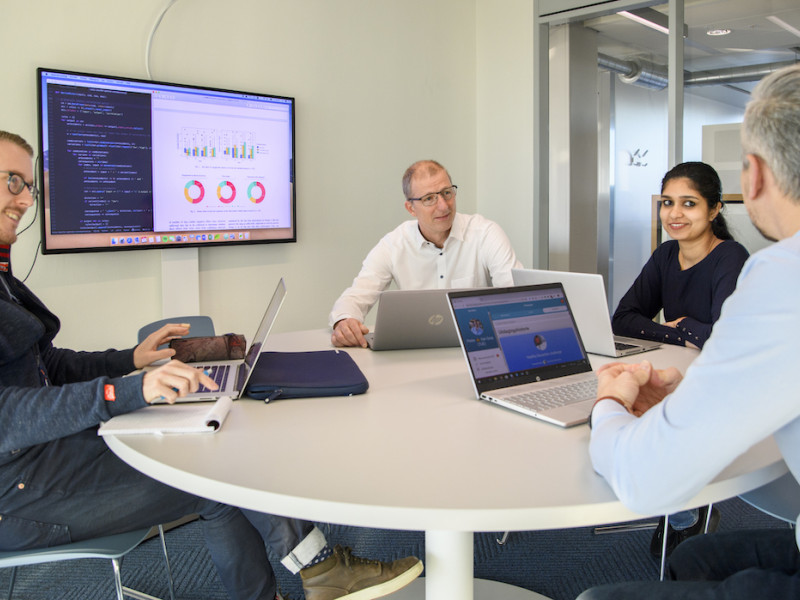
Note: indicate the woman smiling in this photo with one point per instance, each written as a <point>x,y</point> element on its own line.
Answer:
<point>690,276</point>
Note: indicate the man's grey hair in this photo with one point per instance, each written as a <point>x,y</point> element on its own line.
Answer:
<point>771,128</point>
<point>429,167</point>
<point>6,136</point>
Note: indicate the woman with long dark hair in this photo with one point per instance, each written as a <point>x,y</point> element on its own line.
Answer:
<point>690,276</point>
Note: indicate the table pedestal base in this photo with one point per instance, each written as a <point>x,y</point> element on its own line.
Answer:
<point>482,589</point>
<point>449,573</point>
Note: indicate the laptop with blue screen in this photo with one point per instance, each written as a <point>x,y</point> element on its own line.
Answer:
<point>524,351</point>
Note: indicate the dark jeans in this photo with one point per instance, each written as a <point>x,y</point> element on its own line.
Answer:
<point>76,488</point>
<point>733,565</point>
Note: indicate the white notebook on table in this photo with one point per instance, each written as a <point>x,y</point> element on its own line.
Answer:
<point>166,418</point>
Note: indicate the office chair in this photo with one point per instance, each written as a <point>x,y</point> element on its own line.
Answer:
<point>112,547</point>
<point>201,326</point>
<point>639,526</point>
<point>779,498</point>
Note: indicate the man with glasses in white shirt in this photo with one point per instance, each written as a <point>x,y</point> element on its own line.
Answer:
<point>439,248</point>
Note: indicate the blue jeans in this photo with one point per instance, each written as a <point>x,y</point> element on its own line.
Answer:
<point>684,519</point>
<point>76,488</point>
<point>734,565</point>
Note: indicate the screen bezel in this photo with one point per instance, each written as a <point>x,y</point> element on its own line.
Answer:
<point>94,242</point>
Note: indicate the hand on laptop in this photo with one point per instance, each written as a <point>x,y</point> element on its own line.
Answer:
<point>349,332</point>
<point>147,352</point>
<point>639,386</point>
<point>173,380</point>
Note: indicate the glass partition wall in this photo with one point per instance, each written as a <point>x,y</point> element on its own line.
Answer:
<point>615,106</point>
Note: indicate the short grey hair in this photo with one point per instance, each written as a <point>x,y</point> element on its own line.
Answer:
<point>7,136</point>
<point>430,167</point>
<point>771,128</point>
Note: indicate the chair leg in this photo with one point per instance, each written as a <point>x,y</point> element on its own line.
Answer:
<point>117,579</point>
<point>708,519</point>
<point>11,583</point>
<point>664,548</point>
<point>166,562</point>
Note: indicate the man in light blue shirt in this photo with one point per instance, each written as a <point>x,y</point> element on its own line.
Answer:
<point>658,439</point>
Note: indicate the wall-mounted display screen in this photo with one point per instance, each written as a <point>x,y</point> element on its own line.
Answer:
<point>131,164</point>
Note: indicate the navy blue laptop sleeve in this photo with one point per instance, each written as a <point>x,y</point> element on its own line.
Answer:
<point>305,374</point>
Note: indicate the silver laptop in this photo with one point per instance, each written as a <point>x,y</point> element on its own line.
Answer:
<point>233,375</point>
<point>587,297</point>
<point>411,319</point>
<point>524,351</point>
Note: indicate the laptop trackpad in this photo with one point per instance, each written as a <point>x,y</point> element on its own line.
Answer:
<point>572,414</point>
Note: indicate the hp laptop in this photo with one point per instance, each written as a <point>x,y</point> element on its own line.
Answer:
<point>413,319</point>
<point>524,351</point>
<point>587,297</point>
<point>233,375</point>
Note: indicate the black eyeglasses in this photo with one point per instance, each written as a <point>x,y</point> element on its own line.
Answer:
<point>16,184</point>
<point>447,194</point>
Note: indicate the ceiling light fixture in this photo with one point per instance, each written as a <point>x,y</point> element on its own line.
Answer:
<point>651,18</point>
<point>784,25</point>
<point>715,31</point>
<point>643,21</point>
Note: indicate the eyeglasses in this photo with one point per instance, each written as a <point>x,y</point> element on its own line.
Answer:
<point>447,194</point>
<point>16,184</point>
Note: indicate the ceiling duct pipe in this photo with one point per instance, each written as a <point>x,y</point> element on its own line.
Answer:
<point>735,74</point>
<point>650,75</point>
<point>637,71</point>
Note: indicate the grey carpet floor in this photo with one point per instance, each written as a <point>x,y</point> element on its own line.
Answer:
<point>558,563</point>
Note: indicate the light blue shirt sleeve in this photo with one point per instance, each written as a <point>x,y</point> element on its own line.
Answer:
<point>741,389</point>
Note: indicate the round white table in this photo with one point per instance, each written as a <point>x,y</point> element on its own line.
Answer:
<point>416,452</point>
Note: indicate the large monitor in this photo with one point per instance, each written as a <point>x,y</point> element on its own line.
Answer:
<point>130,164</point>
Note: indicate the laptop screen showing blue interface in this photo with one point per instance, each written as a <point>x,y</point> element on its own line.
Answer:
<point>518,335</point>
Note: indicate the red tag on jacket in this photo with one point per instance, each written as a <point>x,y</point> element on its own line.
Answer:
<point>109,393</point>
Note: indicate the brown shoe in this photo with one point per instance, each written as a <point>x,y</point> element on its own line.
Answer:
<point>343,575</point>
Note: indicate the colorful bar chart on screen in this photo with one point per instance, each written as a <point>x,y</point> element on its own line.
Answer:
<point>196,142</point>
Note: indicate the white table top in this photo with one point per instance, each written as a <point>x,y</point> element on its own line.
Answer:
<point>417,451</point>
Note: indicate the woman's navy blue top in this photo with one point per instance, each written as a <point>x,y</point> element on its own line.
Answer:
<point>696,293</point>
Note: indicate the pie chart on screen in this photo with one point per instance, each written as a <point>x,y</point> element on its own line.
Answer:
<point>194,191</point>
<point>226,192</point>
<point>256,192</point>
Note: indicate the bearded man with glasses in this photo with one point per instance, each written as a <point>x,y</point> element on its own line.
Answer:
<point>439,248</point>
<point>60,483</point>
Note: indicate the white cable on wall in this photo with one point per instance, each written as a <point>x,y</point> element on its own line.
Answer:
<point>150,37</point>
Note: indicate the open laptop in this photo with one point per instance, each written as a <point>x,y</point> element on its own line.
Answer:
<point>524,351</point>
<point>411,319</point>
<point>233,375</point>
<point>587,297</point>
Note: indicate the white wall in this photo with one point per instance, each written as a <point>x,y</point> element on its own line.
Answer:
<point>378,85</point>
<point>505,119</point>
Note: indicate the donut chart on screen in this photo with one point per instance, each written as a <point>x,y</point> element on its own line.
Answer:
<point>226,192</point>
<point>194,191</point>
<point>256,192</point>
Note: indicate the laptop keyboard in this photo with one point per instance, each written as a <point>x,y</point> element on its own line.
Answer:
<point>219,373</point>
<point>554,397</point>
<point>624,346</point>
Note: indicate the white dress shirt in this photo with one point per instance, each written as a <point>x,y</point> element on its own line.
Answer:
<point>741,389</point>
<point>477,253</point>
